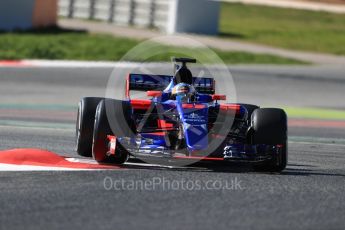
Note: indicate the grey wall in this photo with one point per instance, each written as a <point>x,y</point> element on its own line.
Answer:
<point>143,13</point>
<point>16,14</point>
<point>195,16</point>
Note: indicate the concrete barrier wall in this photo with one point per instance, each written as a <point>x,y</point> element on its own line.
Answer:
<point>144,13</point>
<point>44,13</point>
<point>194,16</point>
<point>172,16</point>
<point>16,14</point>
<point>26,14</point>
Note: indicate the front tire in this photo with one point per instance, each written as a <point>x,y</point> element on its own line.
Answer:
<point>84,125</point>
<point>269,127</point>
<point>115,110</point>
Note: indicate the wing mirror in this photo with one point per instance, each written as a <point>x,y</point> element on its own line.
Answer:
<point>154,93</point>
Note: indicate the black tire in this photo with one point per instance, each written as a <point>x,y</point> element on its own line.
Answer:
<point>115,110</point>
<point>269,126</point>
<point>84,125</point>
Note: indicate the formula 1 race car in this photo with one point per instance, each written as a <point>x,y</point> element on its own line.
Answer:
<point>181,120</point>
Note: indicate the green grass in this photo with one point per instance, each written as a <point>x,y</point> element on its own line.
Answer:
<point>73,45</point>
<point>315,113</point>
<point>59,44</point>
<point>287,28</point>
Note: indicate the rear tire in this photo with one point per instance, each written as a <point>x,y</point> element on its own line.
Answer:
<point>269,127</point>
<point>115,110</point>
<point>84,126</point>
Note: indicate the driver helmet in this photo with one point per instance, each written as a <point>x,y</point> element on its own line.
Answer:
<point>183,92</point>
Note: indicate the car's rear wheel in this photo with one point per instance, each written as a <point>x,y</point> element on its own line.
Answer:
<point>84,125</point>
<point>269,127</point>
<point>113,111</point>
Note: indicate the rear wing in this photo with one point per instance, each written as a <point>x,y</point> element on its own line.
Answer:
<point>145,82</point>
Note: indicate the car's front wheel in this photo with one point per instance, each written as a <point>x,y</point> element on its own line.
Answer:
<point>269,127</point>
<point>115,110</point>
<point>84,125</point>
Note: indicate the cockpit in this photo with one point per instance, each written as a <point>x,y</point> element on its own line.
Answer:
<point>183,92</point>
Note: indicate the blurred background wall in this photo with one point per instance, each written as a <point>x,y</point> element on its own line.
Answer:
<point>16,14</point>
<point>45,13</point>
<point>183,16</point>
<point>26,14</point>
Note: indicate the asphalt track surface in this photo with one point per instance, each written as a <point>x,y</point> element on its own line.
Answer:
<point>38,109</point>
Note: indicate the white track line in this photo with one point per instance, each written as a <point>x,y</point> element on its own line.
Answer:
<point>78,64</point>
<point>316,143</point>
<point>12,168</point>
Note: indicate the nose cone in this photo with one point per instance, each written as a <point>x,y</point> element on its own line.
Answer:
<point>195,119</point>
